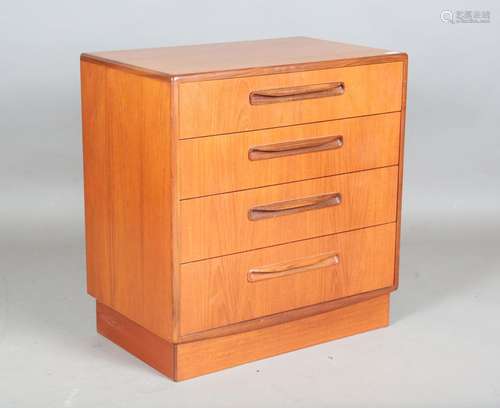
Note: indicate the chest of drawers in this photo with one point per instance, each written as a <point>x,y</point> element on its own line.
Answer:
<point>242,199</point>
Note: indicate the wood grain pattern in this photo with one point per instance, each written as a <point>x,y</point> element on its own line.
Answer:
<point>96,187</point>
<point>283,317</point>
<point>216,292</point>
<point>228,351</point>
<point>176,208</point>
<point>400,171</point>
<point>209,61</point>
<point>128,191</point>
<point>148,347</point>
<point>219,225</point>
<point>187,360</point>
<point>181,144</point>
<point>221,164</point>
<point>222,106</point>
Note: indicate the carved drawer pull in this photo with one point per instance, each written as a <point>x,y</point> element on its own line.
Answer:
<point>272,151</point>
<point>296,93</point>
<point>294,206</point>
<point>292,267</point>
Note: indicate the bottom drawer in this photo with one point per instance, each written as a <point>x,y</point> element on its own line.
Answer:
<point>229,289</point>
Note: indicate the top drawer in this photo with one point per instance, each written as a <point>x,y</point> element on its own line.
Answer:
<point>238,104</point>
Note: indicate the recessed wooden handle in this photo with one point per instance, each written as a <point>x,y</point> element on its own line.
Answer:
<point>295,147</point>
<point>292,267</point>
<point>294,206</point>
<point>296,93</point>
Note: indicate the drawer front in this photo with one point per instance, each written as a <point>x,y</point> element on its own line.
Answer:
<point>234,288</point>
<point>245,160</point>
<point>239,104</point>
<point>235,222</point>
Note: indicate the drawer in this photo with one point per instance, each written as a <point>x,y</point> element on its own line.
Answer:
<point>234,288</point>
<point>235,222</point>
<point>218,164</point>
<point>249,103</point>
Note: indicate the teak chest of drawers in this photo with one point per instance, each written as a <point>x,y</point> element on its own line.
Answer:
<point>242,199</point>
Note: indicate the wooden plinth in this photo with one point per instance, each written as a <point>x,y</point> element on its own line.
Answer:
<point>186,360</point>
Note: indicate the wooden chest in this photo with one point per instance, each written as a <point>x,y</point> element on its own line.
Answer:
<point>241,199</point>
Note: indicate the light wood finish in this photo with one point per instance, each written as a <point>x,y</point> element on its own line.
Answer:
<point>96,187</point>
<point>228,351</point>
<point>217,292</point>
<point>188,360</point>
<point>150,348</point>
<point>222,106</point>
<point>219,225</point>
<point>209,61</point>
<point>283,317</point>
<point>241,200</point>
<point>400,173</point>
<point>221,163</point>
<point>128,194</point>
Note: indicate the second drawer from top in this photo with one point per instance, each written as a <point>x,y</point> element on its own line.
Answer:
<point>225,163</point>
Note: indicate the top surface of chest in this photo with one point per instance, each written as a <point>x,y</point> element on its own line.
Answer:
<point>242,58</point>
